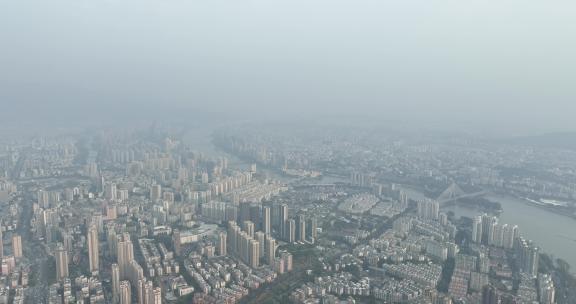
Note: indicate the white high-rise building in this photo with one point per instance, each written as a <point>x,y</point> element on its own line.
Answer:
<point>125,293</point>
<point>93,250</point>
<point>270,250</point>
<point>428,210</point>
<point>61,262</point>
<point>156,297</point>
<point>546,289</point>
<point>249,228</point>
<point>254,254</point>
<point>110,192</point>
<point>477,230</point>
<point>17,245</point>
<point>510,233</point>
<point>125,255</point>
<point>261,238</point>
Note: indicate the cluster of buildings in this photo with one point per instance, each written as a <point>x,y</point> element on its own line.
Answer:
<point>358,203</point>
<point>341,284</point>
<point>486,230</point>
<point>133,218</point>
<point>225,279</point>
<point>117,223</point>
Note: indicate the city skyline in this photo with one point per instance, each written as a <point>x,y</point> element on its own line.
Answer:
<point>287,152</point>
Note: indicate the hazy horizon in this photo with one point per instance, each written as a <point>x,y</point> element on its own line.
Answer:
<point>486,66</point>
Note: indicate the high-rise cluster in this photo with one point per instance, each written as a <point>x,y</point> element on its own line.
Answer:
<point>528,256</point>
<point>428,210</point>
<point>486,230</point>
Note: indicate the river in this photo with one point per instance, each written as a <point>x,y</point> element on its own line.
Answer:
<point>553,233</point>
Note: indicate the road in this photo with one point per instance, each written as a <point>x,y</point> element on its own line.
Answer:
<point>35,253</point>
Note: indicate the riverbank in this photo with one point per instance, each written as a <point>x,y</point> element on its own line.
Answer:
<point>558,209</point>
<point>552,232</point>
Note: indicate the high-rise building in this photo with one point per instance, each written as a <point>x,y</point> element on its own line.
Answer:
<point>266,228</point>
<point>437,250</point>
<point>43,199</point>
<point>488,226</point>
<point>291,231</point>
<point>256,215</point>
<point>491,237</point>
<point>61,262</point>
<point>97,220</point>
<point>111,212</point>
<point>261,238</point>
<point>176,239</point>
<point>116,294</point>
<point>112,240</point>
<point>249,228</point>
<point>244,251</point>
<point>233,231</point>
<point>312,229</point>
<point>276,217</point>
<point>156,297</point>
<point>215,211</point>
<point>279,265</point>
<point>287,257</point>
<point>68,241</point>
<point>490,295</point>
<point>101,182</point>
<point>498,238</point>
<point>533,261</point>
<point>243,245</point>
<point>244,212</point>
<point>546,290</point>
<point>125,255</point>
<point>222,244</point>
<point>283,219</point>
<point>477,230</point>
<point>270,250</point>
<point>529,256</point>
<point>168,197</point>
<point>155,192</point>
<point>483,263</point>
<point>443,219</point>
<point>301,228</point>
<point>231,213</point>
<point>93,250</point>
<point>135,272</point>
<point>125,293</point>
<point>110,192</point>
<point>1,243</point>
<point>254,254</point>
<point>141,291</point>
<point>92,170</point>
<point>17,245</point>
<point>428,210</point>
<point>510,234</point>
<point>123,195</point>
<point>148,293</point>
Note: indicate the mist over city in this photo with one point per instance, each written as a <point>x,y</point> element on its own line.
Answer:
<point>278,151</point>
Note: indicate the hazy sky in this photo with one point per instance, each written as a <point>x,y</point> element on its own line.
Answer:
<point>508,65</point>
